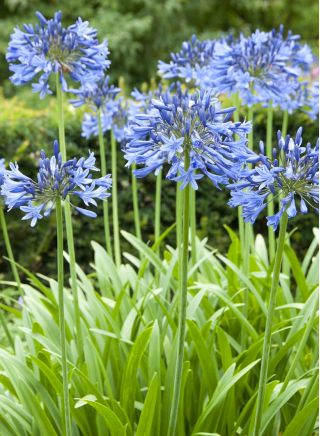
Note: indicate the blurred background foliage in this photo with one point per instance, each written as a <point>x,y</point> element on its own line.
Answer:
<point>140,32</point>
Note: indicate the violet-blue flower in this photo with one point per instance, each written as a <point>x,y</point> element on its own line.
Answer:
<point>54,179</point>
<point>94,94</point>
<point>191,63</point>
<point>181,125</point>
<point>262,67</point>
<point>38,51</point>
<point>312,101</point>
<point>292,176</point>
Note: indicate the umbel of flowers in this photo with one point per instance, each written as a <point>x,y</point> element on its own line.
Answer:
<point>55,179</point>
<point>36,52</point>
<point>292,176</point>
<point>190,132</point>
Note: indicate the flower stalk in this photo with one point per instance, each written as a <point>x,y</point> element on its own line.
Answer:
<point>157,221</point>
<point>135,202</point>
<point>115,214</point>
<point>68,222</point>
<point>7,244</point>
<point>183,293</point>
<point>268,329</point>
<point>270,207</point>
<point>103,166</point>
<point>66,419</point>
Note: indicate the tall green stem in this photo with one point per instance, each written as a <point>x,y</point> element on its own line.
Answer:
<point>115,215</point>
<point>69,226</point>
<point>103,165</point>
<point>66,419</point>
<point>245,246</point>
<point>240,219</point>
<point>157,221</point>
<point>250,136</point>
<point>183,281</point>
<point>9,249</point>
<point>268,329</point>
<point>135,202</point>
<point>286,264</point>
<point>193,226</point>
<point>178,215</point>
<point>285,120</point>
<point>270,208</point>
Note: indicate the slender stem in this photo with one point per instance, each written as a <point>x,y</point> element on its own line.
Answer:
<point>183,305</point>
<point>135,202</point>
<point>157,221</point>
<point>115,215</point>
<point>250,136</point>
<point>9,249</point>
<point>286,264</point>
<point>270,206</point>
<point>268,329</point>
<point>178,215</point>
<point>246,270</point>
<point>247,235</point>
<point>285,120</point>
<point>69,226</point>
<point>236,104</point>
<point>193,226</point>
<point>103,166</point>
<point>66,419</point>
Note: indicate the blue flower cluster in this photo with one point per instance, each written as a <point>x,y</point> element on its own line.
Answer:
<point>115,113</point>
<point>191,63</point>
<point>182,126</point>
<point>292,175</point>
<point>94,94</point>
<point>54,179</point>
<point>262,67</point>
<point>312,101</point>
<point>46,48</point>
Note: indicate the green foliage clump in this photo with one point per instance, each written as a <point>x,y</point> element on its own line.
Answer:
<point>129,319</point>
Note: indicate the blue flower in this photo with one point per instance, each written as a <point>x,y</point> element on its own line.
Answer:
<point>312,101</point>
<point>262,67</point>
<point>36,52</point>
<point>191,63</point>
<point>292,175</point>
<point>115,114</point>
<point>180,123</point>
<point>94,94</point>
<point>54,179</point>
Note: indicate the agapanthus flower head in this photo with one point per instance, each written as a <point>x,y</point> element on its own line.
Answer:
<point>191,133</point>
<point>55,179</point>
<point>115,114</point>
<point>94,94</point>
<point>262,67</point>
<point>36,52</point>
<point>190,63</point>
<point>292,176</point>
<point>312,101</point>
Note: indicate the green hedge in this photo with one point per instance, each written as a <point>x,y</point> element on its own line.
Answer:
<point>25,130</point>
